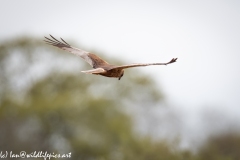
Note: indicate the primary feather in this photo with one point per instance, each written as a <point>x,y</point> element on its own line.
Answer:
<point>90,58</point>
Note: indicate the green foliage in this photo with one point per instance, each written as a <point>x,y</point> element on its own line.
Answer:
<point>46,107</point>
<point>221,147</point>
<point>68,112</point>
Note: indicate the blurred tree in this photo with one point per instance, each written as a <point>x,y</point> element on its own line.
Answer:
<point>221,147</point>
<point>46,105</point>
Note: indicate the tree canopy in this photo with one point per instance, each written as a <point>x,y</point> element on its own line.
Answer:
<point>46,104</point>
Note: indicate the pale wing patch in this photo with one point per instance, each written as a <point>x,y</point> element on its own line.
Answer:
<point>65,46</point>
<point>95,71</point>
<point>76,51</point>
<point>81,53</point>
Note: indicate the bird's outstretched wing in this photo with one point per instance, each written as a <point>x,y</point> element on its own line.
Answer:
<point>92,59</point>
<point>142,64</point>
<point>95,71</point>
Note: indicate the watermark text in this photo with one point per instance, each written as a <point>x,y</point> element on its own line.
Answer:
<point>36,154</point>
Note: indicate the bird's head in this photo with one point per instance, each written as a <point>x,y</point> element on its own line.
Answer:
<point>122,73</point>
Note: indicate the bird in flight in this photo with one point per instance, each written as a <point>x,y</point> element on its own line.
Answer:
<point>100,66</point>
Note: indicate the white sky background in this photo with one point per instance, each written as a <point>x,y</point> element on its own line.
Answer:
<point>204,35</point>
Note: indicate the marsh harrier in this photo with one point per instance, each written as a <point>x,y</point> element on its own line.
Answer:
<point>100,66</point>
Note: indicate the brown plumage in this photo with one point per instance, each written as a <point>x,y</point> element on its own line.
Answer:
<point>100,66</point>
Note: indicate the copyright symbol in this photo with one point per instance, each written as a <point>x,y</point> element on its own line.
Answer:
<point>22,154</point>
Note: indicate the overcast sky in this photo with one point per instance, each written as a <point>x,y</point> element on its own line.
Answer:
<point>204,35</point>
